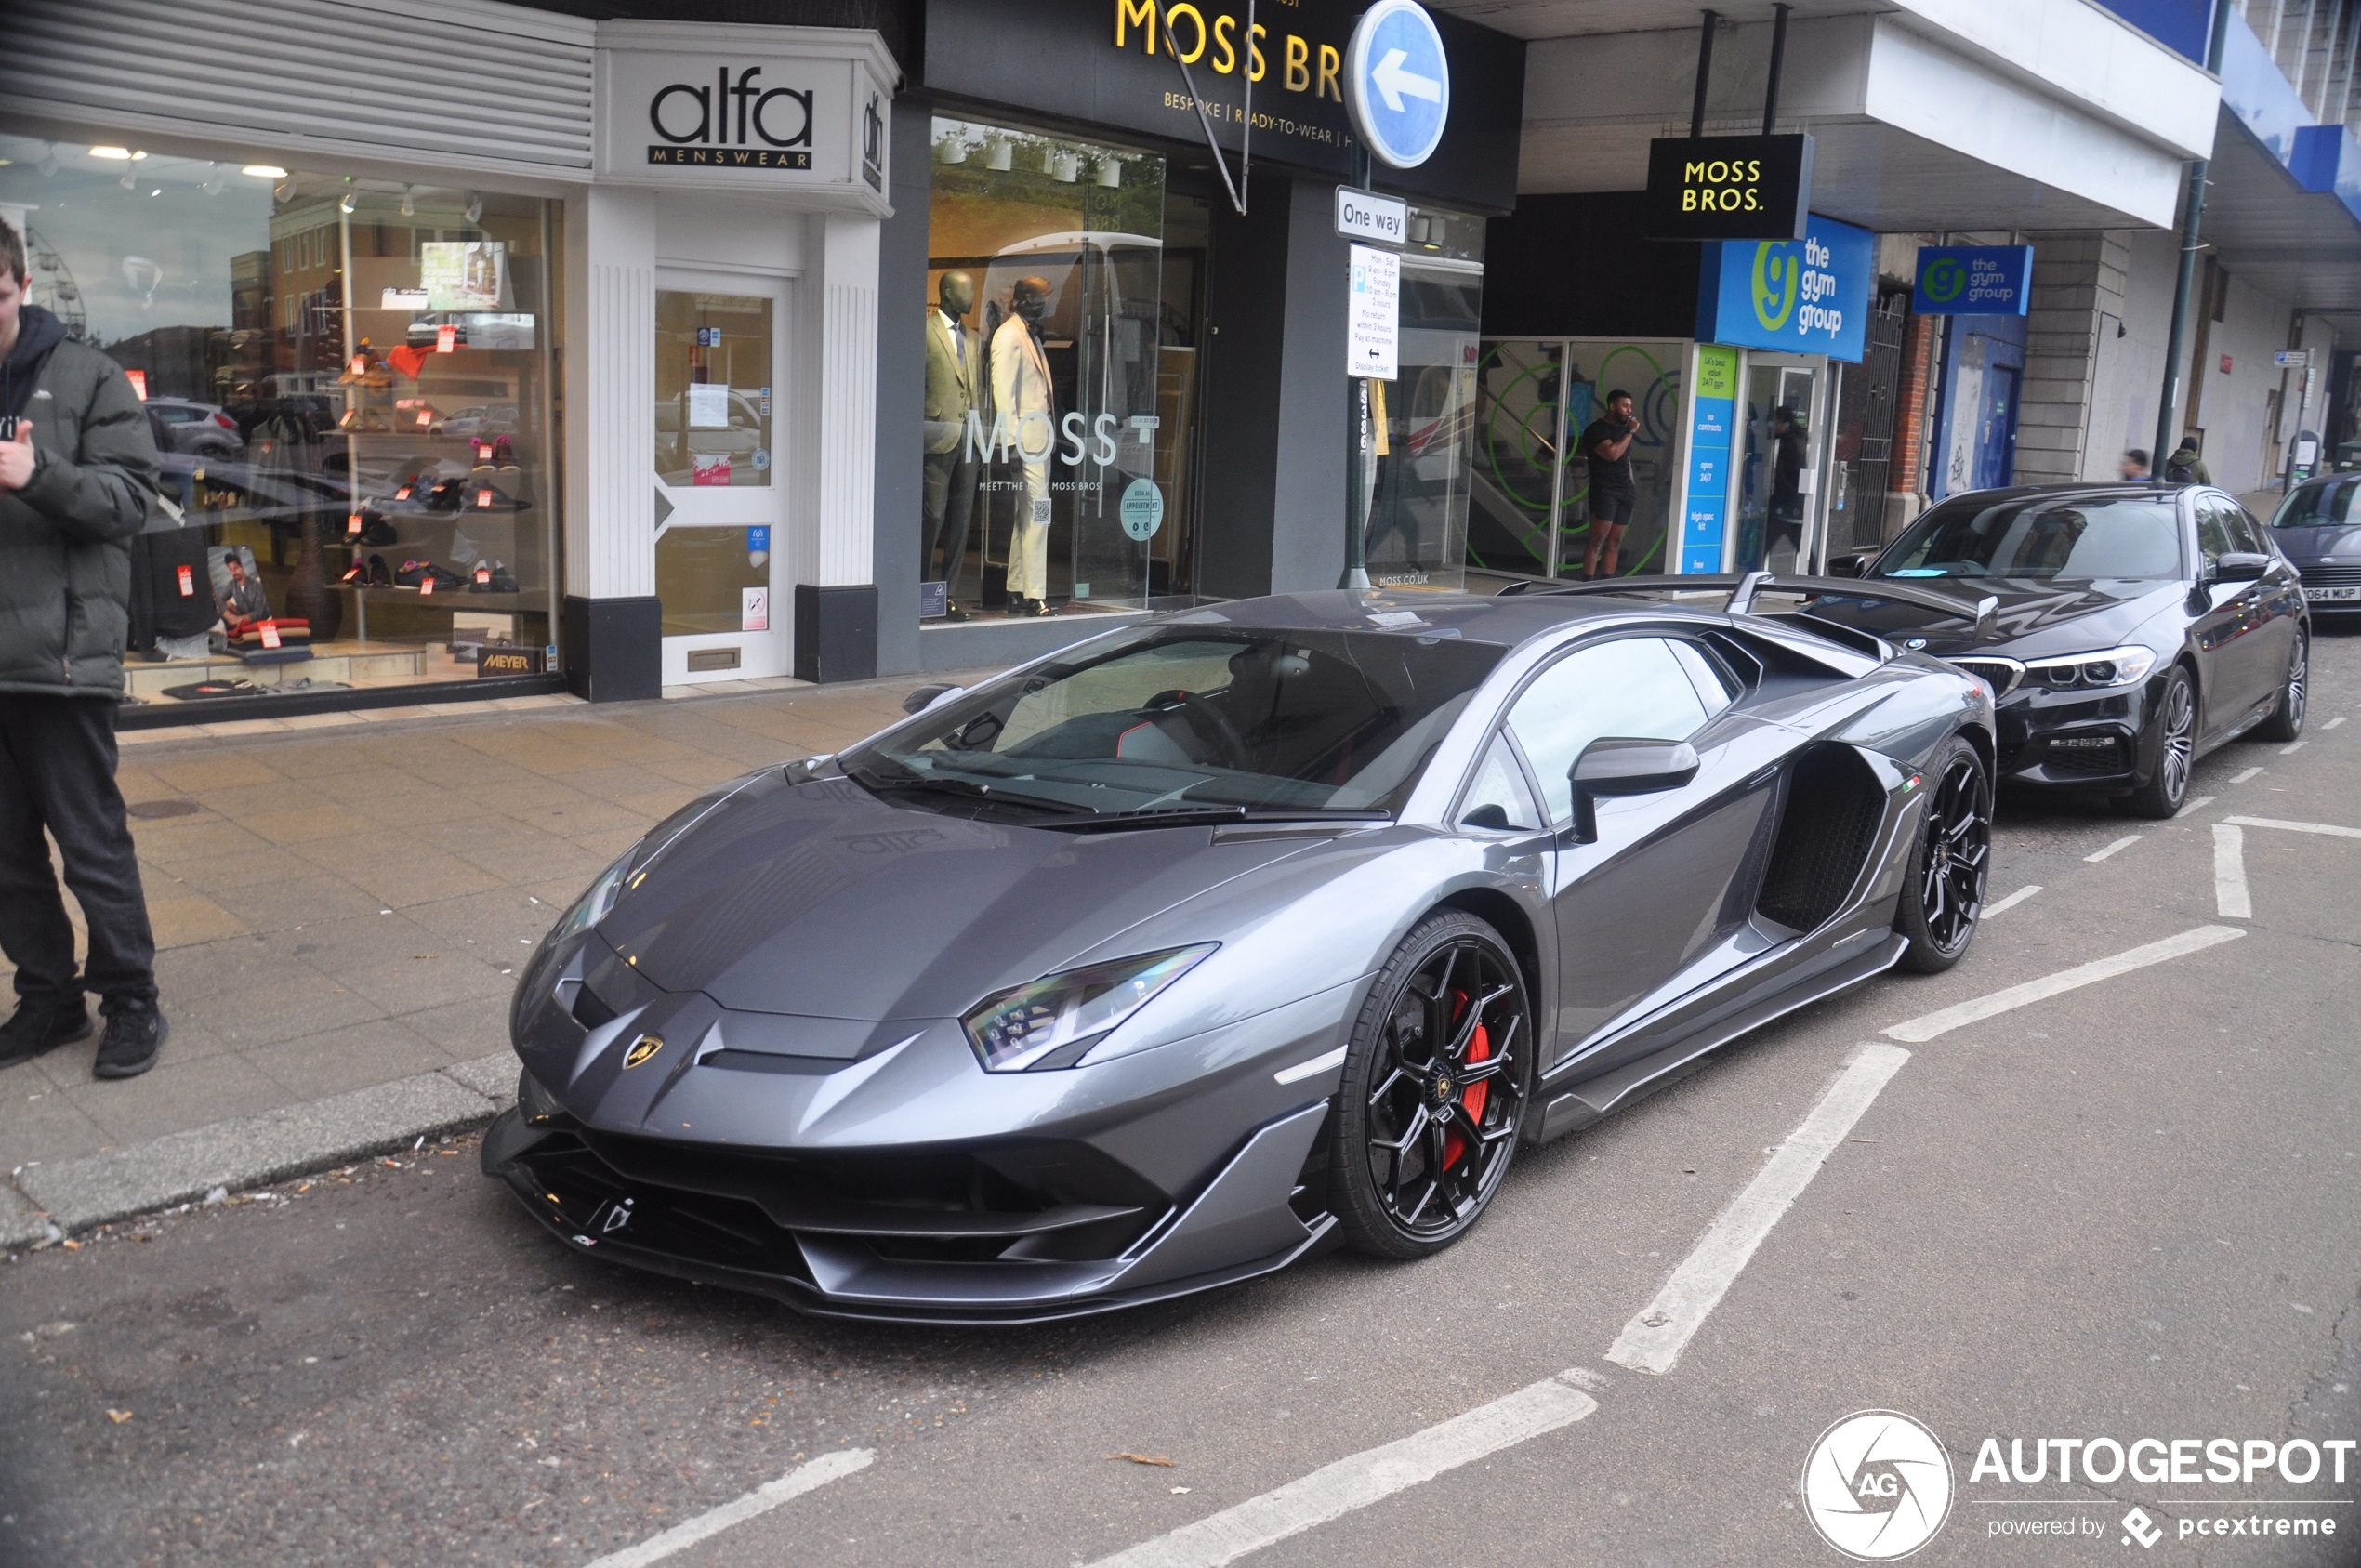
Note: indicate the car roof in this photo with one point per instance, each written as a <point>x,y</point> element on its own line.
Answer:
<point>2097,490</point>
<point>1507,623</point>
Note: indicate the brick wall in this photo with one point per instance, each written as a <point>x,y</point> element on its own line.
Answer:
<point>1906,478</point>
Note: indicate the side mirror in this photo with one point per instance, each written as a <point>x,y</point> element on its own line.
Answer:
<point>1847,565</point>
<point>1615,766</point>
<point>926,697</point>
<point>2240,566</point>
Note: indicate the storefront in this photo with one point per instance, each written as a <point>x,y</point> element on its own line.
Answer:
<point>1732,353</point>
<point>1126,394</point>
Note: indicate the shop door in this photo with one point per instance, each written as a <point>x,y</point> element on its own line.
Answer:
<point>1779,504</point>
<point>1861,455</point>
<point>1996,457</point>
<point>721,498</point>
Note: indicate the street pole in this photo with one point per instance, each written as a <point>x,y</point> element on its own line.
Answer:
<point>2176,341</point>
<point>1356,461</point>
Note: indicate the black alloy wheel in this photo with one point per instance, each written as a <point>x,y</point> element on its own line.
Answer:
<point>2286,722</point>
<point>1436,1080</point>
<point>1945,897</point>
<point>2176,733</point>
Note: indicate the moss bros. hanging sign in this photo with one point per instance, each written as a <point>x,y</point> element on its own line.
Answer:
<point>1116,64</point>
<point>765,108</point>
<point>1729,187</point>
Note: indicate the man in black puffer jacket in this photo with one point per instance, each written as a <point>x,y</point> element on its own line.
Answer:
<point>77,466</point>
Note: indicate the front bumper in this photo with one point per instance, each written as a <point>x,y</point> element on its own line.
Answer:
<point>2077,739</point>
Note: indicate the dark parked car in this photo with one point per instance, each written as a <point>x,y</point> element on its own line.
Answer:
<point>1163,960</point>
<point>2315,530</point>
<point>2135,628</point>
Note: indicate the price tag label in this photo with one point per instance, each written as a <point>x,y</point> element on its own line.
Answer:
<point>446,340</point>
<point>483,500</point>
<point>188,583</point>
<point>426,584</point>
<point>484,574</point>
<point>270,634</point>
<point>353,526</point>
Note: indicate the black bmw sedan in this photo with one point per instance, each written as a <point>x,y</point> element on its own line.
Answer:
<point>2314,528</point>
<point>2136,628</point>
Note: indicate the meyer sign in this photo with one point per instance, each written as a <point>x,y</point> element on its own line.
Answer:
<point>1729,188</point>
<point>750,108</point>
<point>1382,220</point>
<point>1973,280</point>
<point>1805,297</point>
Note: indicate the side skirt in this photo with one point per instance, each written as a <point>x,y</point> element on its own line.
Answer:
<point>1603,1096</point>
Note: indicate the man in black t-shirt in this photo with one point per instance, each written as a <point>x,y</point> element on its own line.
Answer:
<point>1607,446</point>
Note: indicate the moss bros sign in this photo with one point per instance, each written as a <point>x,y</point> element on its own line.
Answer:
<point>1115,64</point>
<point>753,108</point>
<point>1729,188</point>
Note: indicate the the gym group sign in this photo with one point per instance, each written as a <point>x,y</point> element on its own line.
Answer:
<point>773,109</point>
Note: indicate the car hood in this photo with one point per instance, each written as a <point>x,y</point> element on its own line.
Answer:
<point>2333,541</point>
<point>2034,619</point>
<point>819,900</point>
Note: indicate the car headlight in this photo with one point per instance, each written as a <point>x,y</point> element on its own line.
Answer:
<point>2108,666</point>
<point>1051,1022</point>
<point>594,906</point>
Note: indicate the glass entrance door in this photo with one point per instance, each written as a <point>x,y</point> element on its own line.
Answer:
<point>720,493</point>
<point>1779,504</point>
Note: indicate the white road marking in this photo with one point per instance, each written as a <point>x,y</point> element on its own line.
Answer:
<point>1370,1476</point>
<point>761,1500</point>
<point>2198,804</point>
<point>1312,1069</point>
<point>1653,1340</point>
<point>1997,905</point>
<point>2333,722</point>
<point>2117,847</point>
<point>2328,828</point>
<point>2230,898</point>
<point>1945,1019</point>
<point>2292,748</point>
<point>2244,774</point>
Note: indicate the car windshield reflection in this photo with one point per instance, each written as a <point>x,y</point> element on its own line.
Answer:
<point>2039,537</point>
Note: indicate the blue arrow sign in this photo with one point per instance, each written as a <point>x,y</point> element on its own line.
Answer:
<point>1398,83</point>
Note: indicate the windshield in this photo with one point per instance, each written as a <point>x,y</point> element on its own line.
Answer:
<point>2315,506</point>
<point>2039,536</point>
<point>1195,720</point>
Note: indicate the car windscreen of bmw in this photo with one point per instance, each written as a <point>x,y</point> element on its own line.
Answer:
<point>2317,505</point>
<point>2040,537</point>
<point>1186,722</point>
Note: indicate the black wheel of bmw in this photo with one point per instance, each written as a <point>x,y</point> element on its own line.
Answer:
<point>1436,1079</point>
<point>2286,722</point>
<point>2176,732</point>
<point>1943,899</point>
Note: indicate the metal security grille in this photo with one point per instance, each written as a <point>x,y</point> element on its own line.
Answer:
<point>484,87</point>
<point>2332,576</point>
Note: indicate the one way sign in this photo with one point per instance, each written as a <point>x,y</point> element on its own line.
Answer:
<point>1398,83</point>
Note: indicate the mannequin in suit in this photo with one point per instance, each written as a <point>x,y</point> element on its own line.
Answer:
<point>1021,393</point>
<point>954,364</point>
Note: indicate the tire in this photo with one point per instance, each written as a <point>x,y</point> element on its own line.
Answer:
<point>2286,722</point>
<point>1942,896</point>
<point>2176,723</point>
<point>1404,1182</point>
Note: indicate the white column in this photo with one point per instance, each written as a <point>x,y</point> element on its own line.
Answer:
<point>840,306</point>
<point>610,393</point>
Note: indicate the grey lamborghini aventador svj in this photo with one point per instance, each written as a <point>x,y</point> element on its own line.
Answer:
<point>1165,961</point>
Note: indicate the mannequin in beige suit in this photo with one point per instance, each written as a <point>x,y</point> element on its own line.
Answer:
<point>954,364</point>
<point>1021,393</point>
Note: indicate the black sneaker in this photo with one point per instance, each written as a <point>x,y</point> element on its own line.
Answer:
<point>134,1036</point>
<point>36,1027</point>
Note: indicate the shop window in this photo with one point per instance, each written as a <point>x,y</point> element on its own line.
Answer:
<point>1044,286</point>
<point>348,382</point>
<point>1425,465</point>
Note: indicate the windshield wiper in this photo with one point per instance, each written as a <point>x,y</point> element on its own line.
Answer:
<point>967,789</point>
<point>1191,816</point>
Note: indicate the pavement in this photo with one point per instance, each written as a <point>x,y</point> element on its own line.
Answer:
<point>340,903</point>
<point>2122,1210</point>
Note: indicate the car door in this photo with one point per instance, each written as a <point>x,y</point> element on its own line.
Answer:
<point>2233,652</point>
<point>2278,597</point>
<point>1643,903</point>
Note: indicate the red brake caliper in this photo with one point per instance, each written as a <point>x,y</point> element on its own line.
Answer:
<point>1472,1097</point>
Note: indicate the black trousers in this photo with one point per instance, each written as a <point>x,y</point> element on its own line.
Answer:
<point>56,770</point>
<point>949,499</point>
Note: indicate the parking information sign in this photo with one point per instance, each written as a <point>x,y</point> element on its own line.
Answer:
<point>1398,83</point>
<point>1373,320</point>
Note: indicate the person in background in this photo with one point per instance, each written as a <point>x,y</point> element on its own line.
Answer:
<point>245,601</point>
<point>2185,466</point>
<point>77,475</point>
<point>1607,446</point>
<point>2133,466</point>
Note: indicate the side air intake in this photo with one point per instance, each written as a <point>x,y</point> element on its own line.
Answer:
<point>1833,804</point>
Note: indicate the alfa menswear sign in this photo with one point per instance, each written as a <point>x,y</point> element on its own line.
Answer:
<point>772,109</point>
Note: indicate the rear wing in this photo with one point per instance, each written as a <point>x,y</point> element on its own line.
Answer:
<point>1743,590</point>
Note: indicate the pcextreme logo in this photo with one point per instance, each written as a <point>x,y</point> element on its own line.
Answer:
<point>1877,1485</point>
<point>1777,272</point>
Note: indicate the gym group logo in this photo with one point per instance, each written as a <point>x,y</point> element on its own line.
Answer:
<point>1945,280</point>
<point>1776,269</point>
<point>1877,1485</point>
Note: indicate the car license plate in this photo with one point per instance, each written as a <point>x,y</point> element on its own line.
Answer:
<point>2317,595</point>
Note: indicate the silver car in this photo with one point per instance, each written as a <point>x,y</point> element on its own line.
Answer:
<point>1240,933</point>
